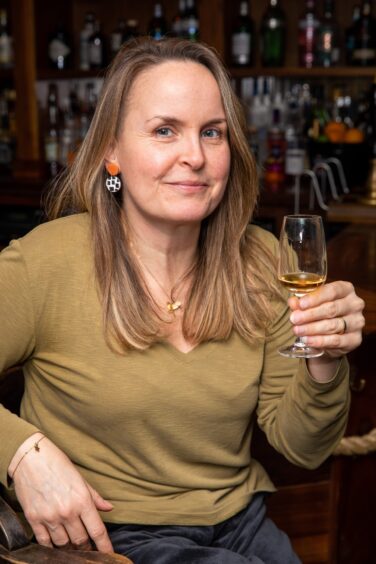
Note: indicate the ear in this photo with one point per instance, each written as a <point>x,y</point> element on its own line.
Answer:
<point>111,155</point>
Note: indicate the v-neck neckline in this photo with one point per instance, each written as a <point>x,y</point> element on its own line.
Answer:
<point>199,351</point>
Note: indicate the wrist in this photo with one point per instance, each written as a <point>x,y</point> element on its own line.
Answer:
<point>323,369</point>
<point>22,451</point>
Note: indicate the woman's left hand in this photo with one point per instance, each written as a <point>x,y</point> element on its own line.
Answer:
<point>331,318</point>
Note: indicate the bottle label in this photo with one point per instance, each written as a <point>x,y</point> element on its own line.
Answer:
<point>57,49</point>
<point>5,152</point>
<point>335,55</point>
<point>116,41</point>
<point>51,150</point>
<point>241,47</point>
<point>364,54</point>
<point>6,51</point>
<point>177,28</point>
<point>294,161</point>
<point>84,54</point>
<point>96,54</point>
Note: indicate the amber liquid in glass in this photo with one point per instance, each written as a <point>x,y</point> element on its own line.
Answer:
<point>300,283</point>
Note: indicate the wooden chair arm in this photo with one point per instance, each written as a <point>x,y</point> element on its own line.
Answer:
<point>16,546</point>
<point>37,554</point>
<point>12,533</point>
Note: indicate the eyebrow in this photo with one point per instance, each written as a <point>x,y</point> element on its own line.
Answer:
<point>174,120</point>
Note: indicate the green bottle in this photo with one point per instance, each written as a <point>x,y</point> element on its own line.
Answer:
<point>273,28</point>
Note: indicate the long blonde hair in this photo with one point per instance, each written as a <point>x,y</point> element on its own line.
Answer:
<point>228,290</point>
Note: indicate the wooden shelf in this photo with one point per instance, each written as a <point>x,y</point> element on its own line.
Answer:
<point>286,72</point>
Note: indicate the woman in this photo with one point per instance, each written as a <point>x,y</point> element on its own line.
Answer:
<point>148,322</point>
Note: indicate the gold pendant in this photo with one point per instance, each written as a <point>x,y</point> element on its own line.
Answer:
<point>173,306</point>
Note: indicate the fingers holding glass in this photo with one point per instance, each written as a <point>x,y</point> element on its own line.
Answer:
<point>331,319</point>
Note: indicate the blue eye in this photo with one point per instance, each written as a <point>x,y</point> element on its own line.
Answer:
<point>164,131</point>
<point>212,133</point>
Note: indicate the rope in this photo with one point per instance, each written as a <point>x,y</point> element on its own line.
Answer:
<point>354,445</point>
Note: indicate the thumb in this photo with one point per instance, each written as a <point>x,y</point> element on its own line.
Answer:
<point>99,502</point>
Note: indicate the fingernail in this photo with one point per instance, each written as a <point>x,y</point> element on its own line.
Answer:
<point>294,317</point>
<point>304,339</point>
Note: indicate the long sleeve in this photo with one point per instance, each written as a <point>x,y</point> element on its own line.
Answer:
<point>303,419</point>
<point>16,342</point>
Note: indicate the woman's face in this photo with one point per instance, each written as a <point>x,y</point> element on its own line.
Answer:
<point>173,151</point>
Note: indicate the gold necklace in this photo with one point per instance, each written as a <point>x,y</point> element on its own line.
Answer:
<point>172,304</point>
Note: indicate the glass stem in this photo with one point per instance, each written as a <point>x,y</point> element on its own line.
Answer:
<point>298,340</point>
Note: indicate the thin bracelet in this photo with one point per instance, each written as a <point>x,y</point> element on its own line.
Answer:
<point>35,447</point>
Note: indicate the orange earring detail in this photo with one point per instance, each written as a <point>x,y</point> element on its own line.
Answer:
<point>112,169</point>
<point>113,182</point>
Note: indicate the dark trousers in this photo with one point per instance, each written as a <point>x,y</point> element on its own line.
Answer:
<point>247,537</point>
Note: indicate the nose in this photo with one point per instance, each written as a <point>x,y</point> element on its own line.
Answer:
<point>192,152</point>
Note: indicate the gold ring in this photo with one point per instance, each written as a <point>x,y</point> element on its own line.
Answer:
<point>344,326</point>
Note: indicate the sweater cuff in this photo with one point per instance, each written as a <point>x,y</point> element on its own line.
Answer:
<point>340,375</point>
<point>12,435</point>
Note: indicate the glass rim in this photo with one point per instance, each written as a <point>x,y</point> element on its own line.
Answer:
<point>302,216</point>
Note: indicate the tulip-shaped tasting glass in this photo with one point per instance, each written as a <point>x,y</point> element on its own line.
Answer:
<point>302,266</point>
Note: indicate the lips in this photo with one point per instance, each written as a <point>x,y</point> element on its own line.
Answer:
<point>188,187</point>
<point>192,183</point>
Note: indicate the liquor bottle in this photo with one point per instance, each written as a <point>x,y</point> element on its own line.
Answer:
<point>350,35</point>
<point>295,155</point>
<point>157,25</point>
<point>51,136</point>
<point>178,22</point>
<point>308,30</point>
<point>69,139</point>
<point>191,23</point>
<point>11,97</point>
<point>260,118</point>
<point>6,148</point>
<point>327,41</point>
<point>74,103</point>
<point>242,37</point>
<point>273,27</point>
<point>117,38</point>
<point>274,175</point>
<point>131,29</point>
<point>85,34</point>
<point>6,45</point>
<point>88,108</point>
<point>60,48</point>
<point>364,53</point>
<point>97,48</point>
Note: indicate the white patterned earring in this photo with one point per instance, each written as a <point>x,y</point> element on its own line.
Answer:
<point>113,182</point>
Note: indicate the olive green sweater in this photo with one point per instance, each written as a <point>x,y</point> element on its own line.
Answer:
<point>163,435</point>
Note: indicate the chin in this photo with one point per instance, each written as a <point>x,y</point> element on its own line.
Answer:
<point>189,218</point>
<point>193,214</point>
